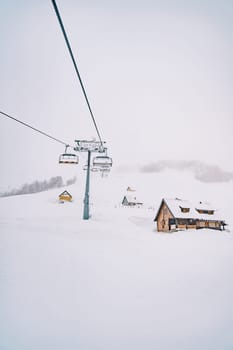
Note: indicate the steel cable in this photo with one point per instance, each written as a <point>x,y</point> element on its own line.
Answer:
<point>35,129</point>
<point>75,66</point>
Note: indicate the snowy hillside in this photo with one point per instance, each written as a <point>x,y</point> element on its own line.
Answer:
<point>113,282</point>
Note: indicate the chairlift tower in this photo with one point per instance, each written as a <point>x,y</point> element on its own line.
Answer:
<point>89,147</point>
<point>82,145</point>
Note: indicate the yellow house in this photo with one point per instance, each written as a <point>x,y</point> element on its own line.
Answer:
<point>65,197</point>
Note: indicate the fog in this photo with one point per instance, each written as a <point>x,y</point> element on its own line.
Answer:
<point>201,171</point>
<point>158,76</point>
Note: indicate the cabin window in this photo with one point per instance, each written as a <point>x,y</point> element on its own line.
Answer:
<point>184,210</point>
<point>203,211</point>
<point>192,222</point>
<point>182,221</point>
<point>172,221</point>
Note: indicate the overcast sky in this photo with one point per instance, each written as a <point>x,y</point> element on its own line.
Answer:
<point>158,74</point>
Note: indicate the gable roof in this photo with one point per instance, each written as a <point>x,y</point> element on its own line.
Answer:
<point>65,193</point>
<point>175,205</point>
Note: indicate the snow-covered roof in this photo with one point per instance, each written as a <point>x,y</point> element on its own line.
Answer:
<point>204,206</point>
<point>176,204</point>
<point>65,193</point>
<point>131,199</point>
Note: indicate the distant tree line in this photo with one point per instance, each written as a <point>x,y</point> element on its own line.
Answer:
<point>39,186</point>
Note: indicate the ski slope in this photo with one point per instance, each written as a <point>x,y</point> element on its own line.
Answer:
<point>113,282</point>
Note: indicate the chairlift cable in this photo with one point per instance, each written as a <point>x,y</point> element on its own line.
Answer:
<point>75,66</point>
<point>35,129</point>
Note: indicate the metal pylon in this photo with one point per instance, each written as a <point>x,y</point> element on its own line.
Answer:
<point>87,189</point>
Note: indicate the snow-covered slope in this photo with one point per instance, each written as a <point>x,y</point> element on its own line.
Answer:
<point>113,282</point>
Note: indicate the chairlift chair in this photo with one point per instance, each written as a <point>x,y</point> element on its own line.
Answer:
<point>91,168</point>
<point>94,169</point>
<point>102,162</point>
<point>68,158</point>
<point>105,170</point>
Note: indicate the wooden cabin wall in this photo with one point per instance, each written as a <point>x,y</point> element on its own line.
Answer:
<point>209,224</point>
<point>215,224</point>
<point>181,227</point>
<point>65,198</point>
<point>163,218</point>
<point>191,227</point>
<point>201,224</point>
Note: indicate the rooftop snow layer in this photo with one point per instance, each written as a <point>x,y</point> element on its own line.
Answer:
<point>176,204</point>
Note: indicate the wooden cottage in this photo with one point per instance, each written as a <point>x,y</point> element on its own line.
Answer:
<point>176,214</point>
<point>65,197</point>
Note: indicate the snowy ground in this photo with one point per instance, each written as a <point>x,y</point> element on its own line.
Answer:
<point>113,282</point>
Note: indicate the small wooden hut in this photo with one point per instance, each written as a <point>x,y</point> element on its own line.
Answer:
<point>65,197</point>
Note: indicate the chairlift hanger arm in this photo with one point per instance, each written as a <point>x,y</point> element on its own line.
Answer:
<point>93,146</point>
